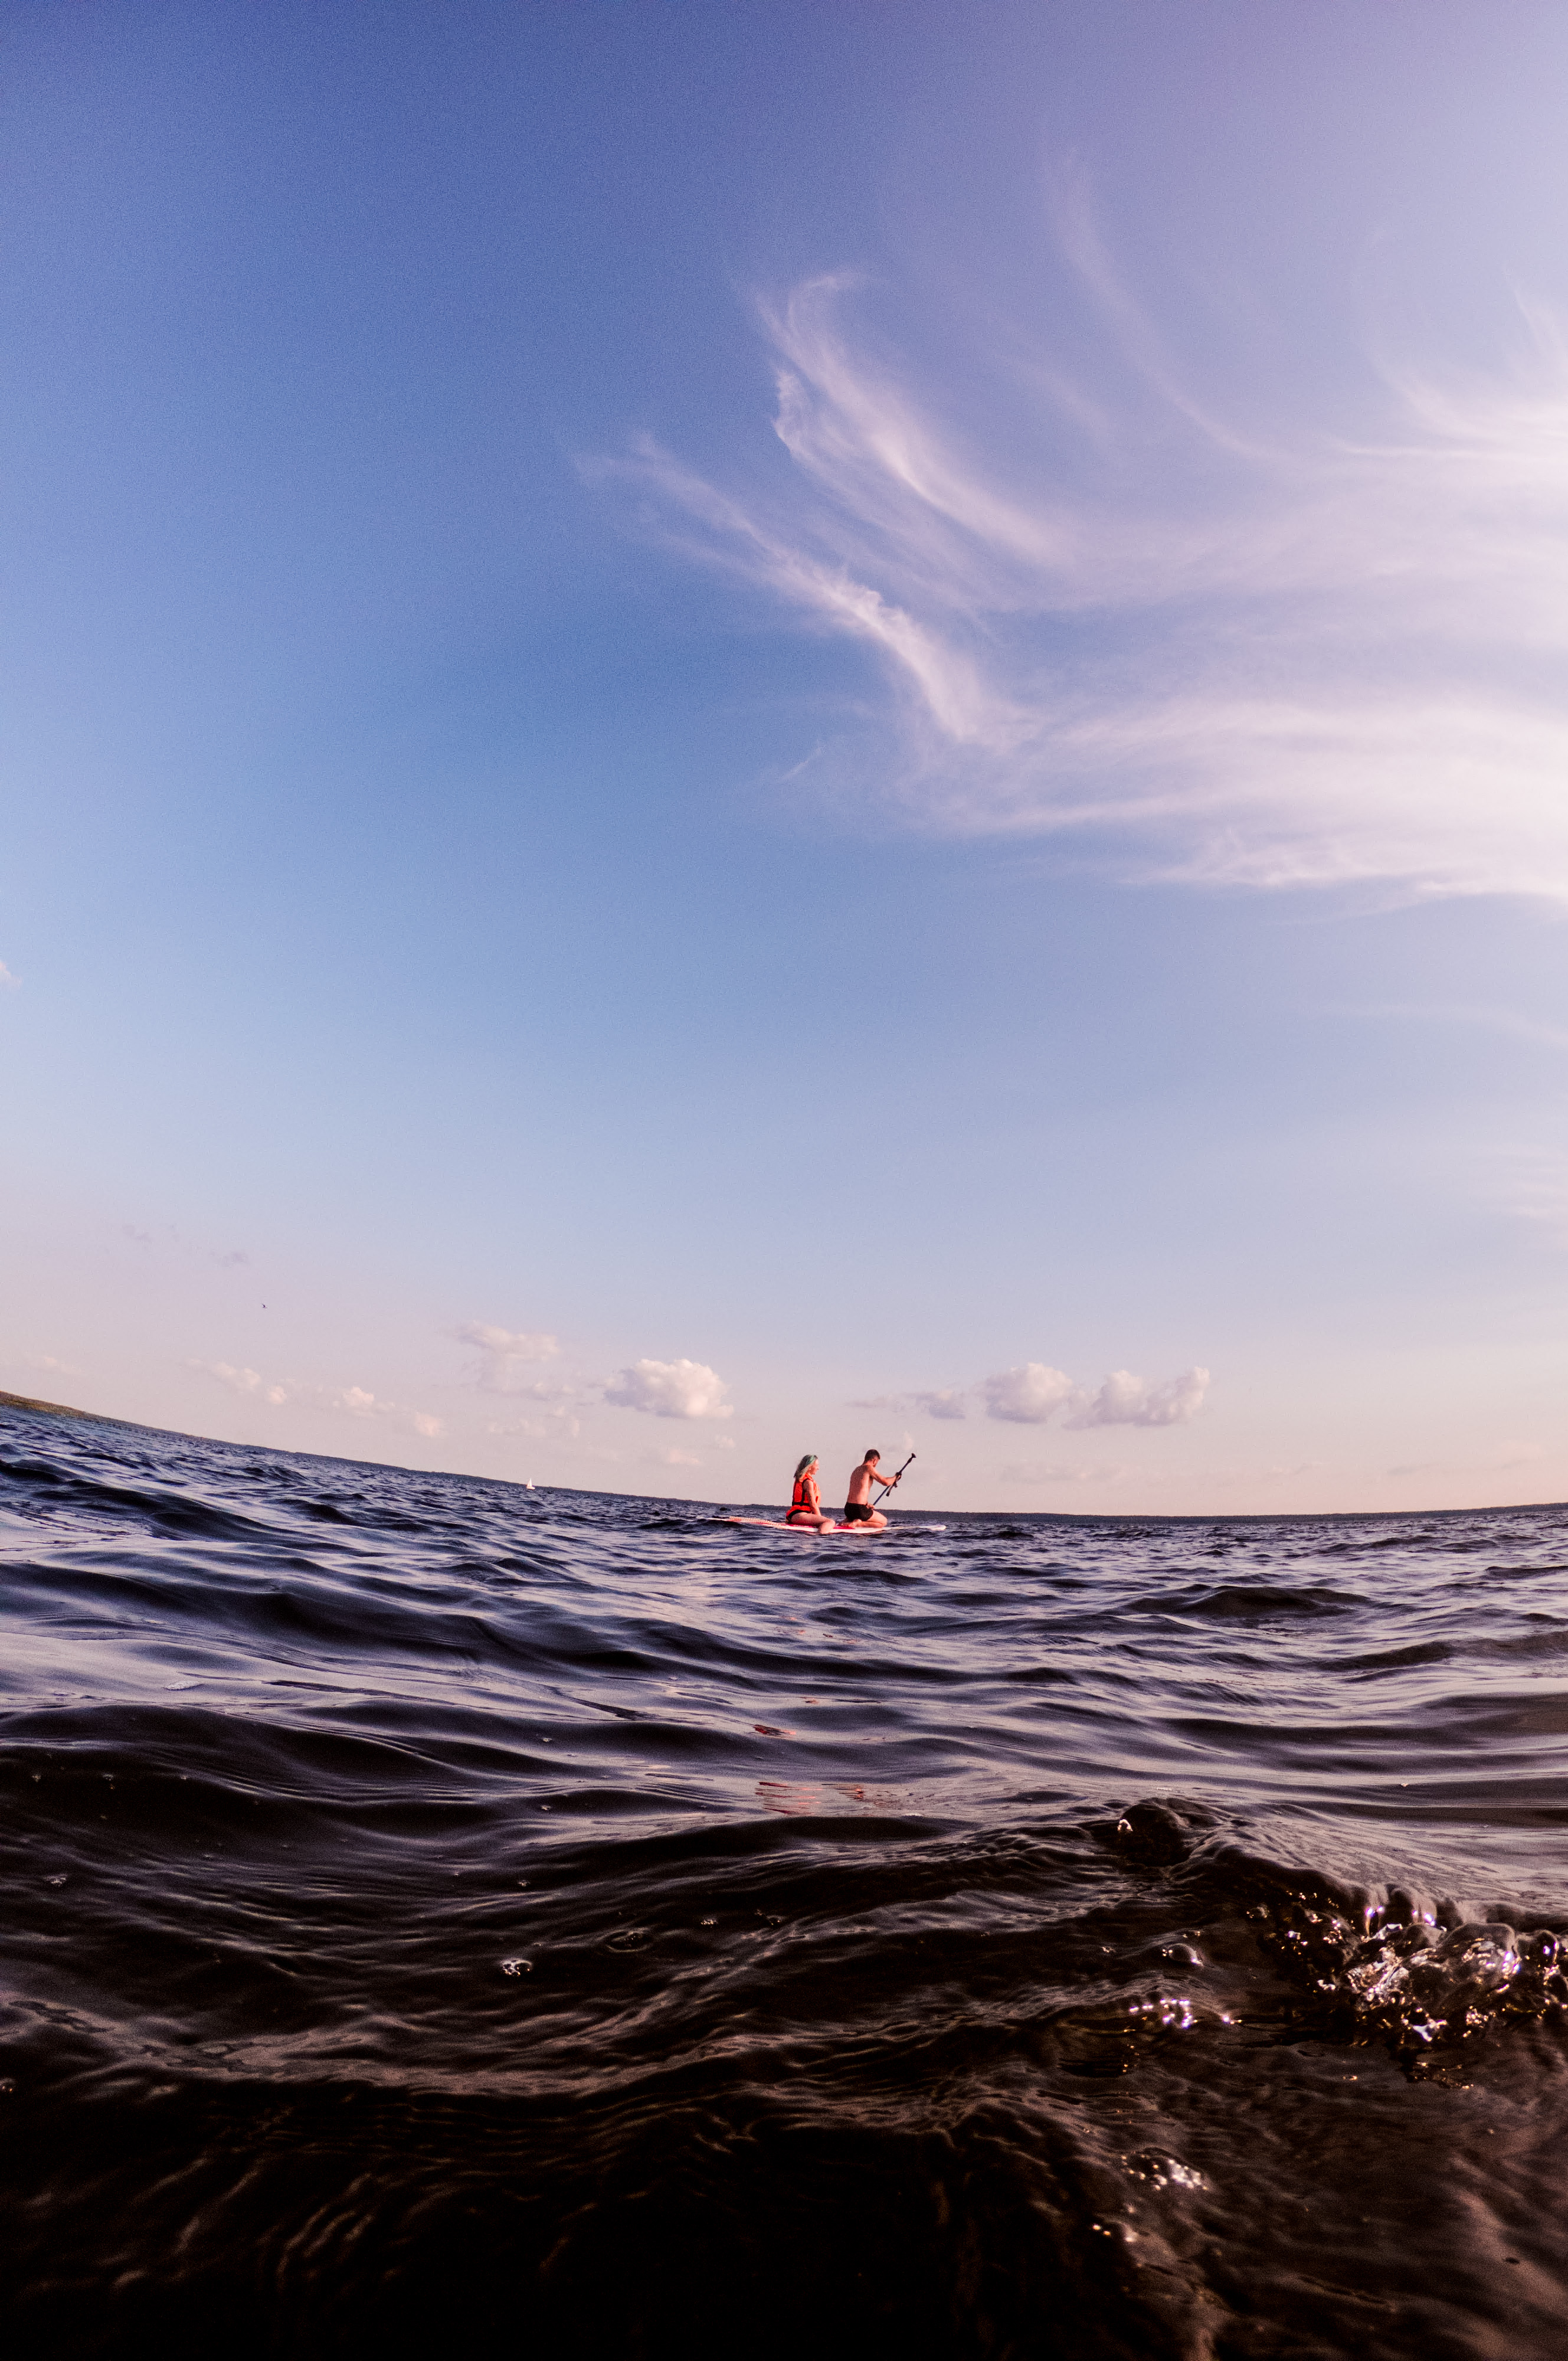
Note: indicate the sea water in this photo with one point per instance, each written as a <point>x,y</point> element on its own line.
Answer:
<point>445,1917</point>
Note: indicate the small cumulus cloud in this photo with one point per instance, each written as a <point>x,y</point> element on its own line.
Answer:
<point>8,982</point>
<point>235,1256</point>
<point>358,1401</point>
<point>137,1237</point>
<point>1031,1394</point>
<point>500,1349</point>
<point>681,1458</point>
<point>1126,1400</point>
<point>670,1390</point>
<point>509,1344</point>
<point>1027,1395</point>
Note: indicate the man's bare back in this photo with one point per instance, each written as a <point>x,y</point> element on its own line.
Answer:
<point>858,1510</point>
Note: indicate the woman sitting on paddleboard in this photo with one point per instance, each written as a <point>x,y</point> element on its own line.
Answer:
<point>805,1500</point>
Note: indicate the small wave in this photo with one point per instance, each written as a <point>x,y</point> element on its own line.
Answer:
<point>1398,1660</point>
<point>1251,1602</point>
<point>1417,1976</point>
<point>1423,1986</point>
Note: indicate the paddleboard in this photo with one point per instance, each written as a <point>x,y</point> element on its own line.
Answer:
<point>777,1525</point>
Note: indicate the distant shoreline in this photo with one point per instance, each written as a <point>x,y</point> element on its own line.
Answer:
<point>728,1508</point>
<point>61,1410</point>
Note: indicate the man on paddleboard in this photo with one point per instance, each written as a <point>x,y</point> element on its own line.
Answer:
<point>857,1509</point>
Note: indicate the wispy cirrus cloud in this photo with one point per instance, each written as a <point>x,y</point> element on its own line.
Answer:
<point>1306,657</point>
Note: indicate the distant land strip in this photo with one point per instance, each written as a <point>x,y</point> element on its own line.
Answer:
<point>60,1410</point>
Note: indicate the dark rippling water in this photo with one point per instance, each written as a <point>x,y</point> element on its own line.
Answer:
<point>444,1918</point>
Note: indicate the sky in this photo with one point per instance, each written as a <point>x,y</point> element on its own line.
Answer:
<point>727,731</point>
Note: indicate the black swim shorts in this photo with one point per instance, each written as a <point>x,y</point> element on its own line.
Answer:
<point>856,1512</point>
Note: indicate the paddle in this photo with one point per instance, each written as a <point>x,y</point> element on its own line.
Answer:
<point>887,1486</point>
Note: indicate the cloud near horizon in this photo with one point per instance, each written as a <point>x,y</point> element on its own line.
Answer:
<point>1126,1400</point>
<point>355,1402</point>
<point>1032,1393</point>
<point>1303,657</point>
<point>670,1390</point>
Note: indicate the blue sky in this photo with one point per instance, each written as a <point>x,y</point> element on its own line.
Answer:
<point>712,716</point>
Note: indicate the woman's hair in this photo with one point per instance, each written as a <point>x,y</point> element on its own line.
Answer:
<point>809,1461</point>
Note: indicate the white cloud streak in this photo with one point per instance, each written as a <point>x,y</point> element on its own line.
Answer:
<point>352,1401</point>
<point>1032,1393</point>
<point>1306,659</point>
<point>670,1390</point>
<point>947,1401</point>
<point>243,1381</point>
